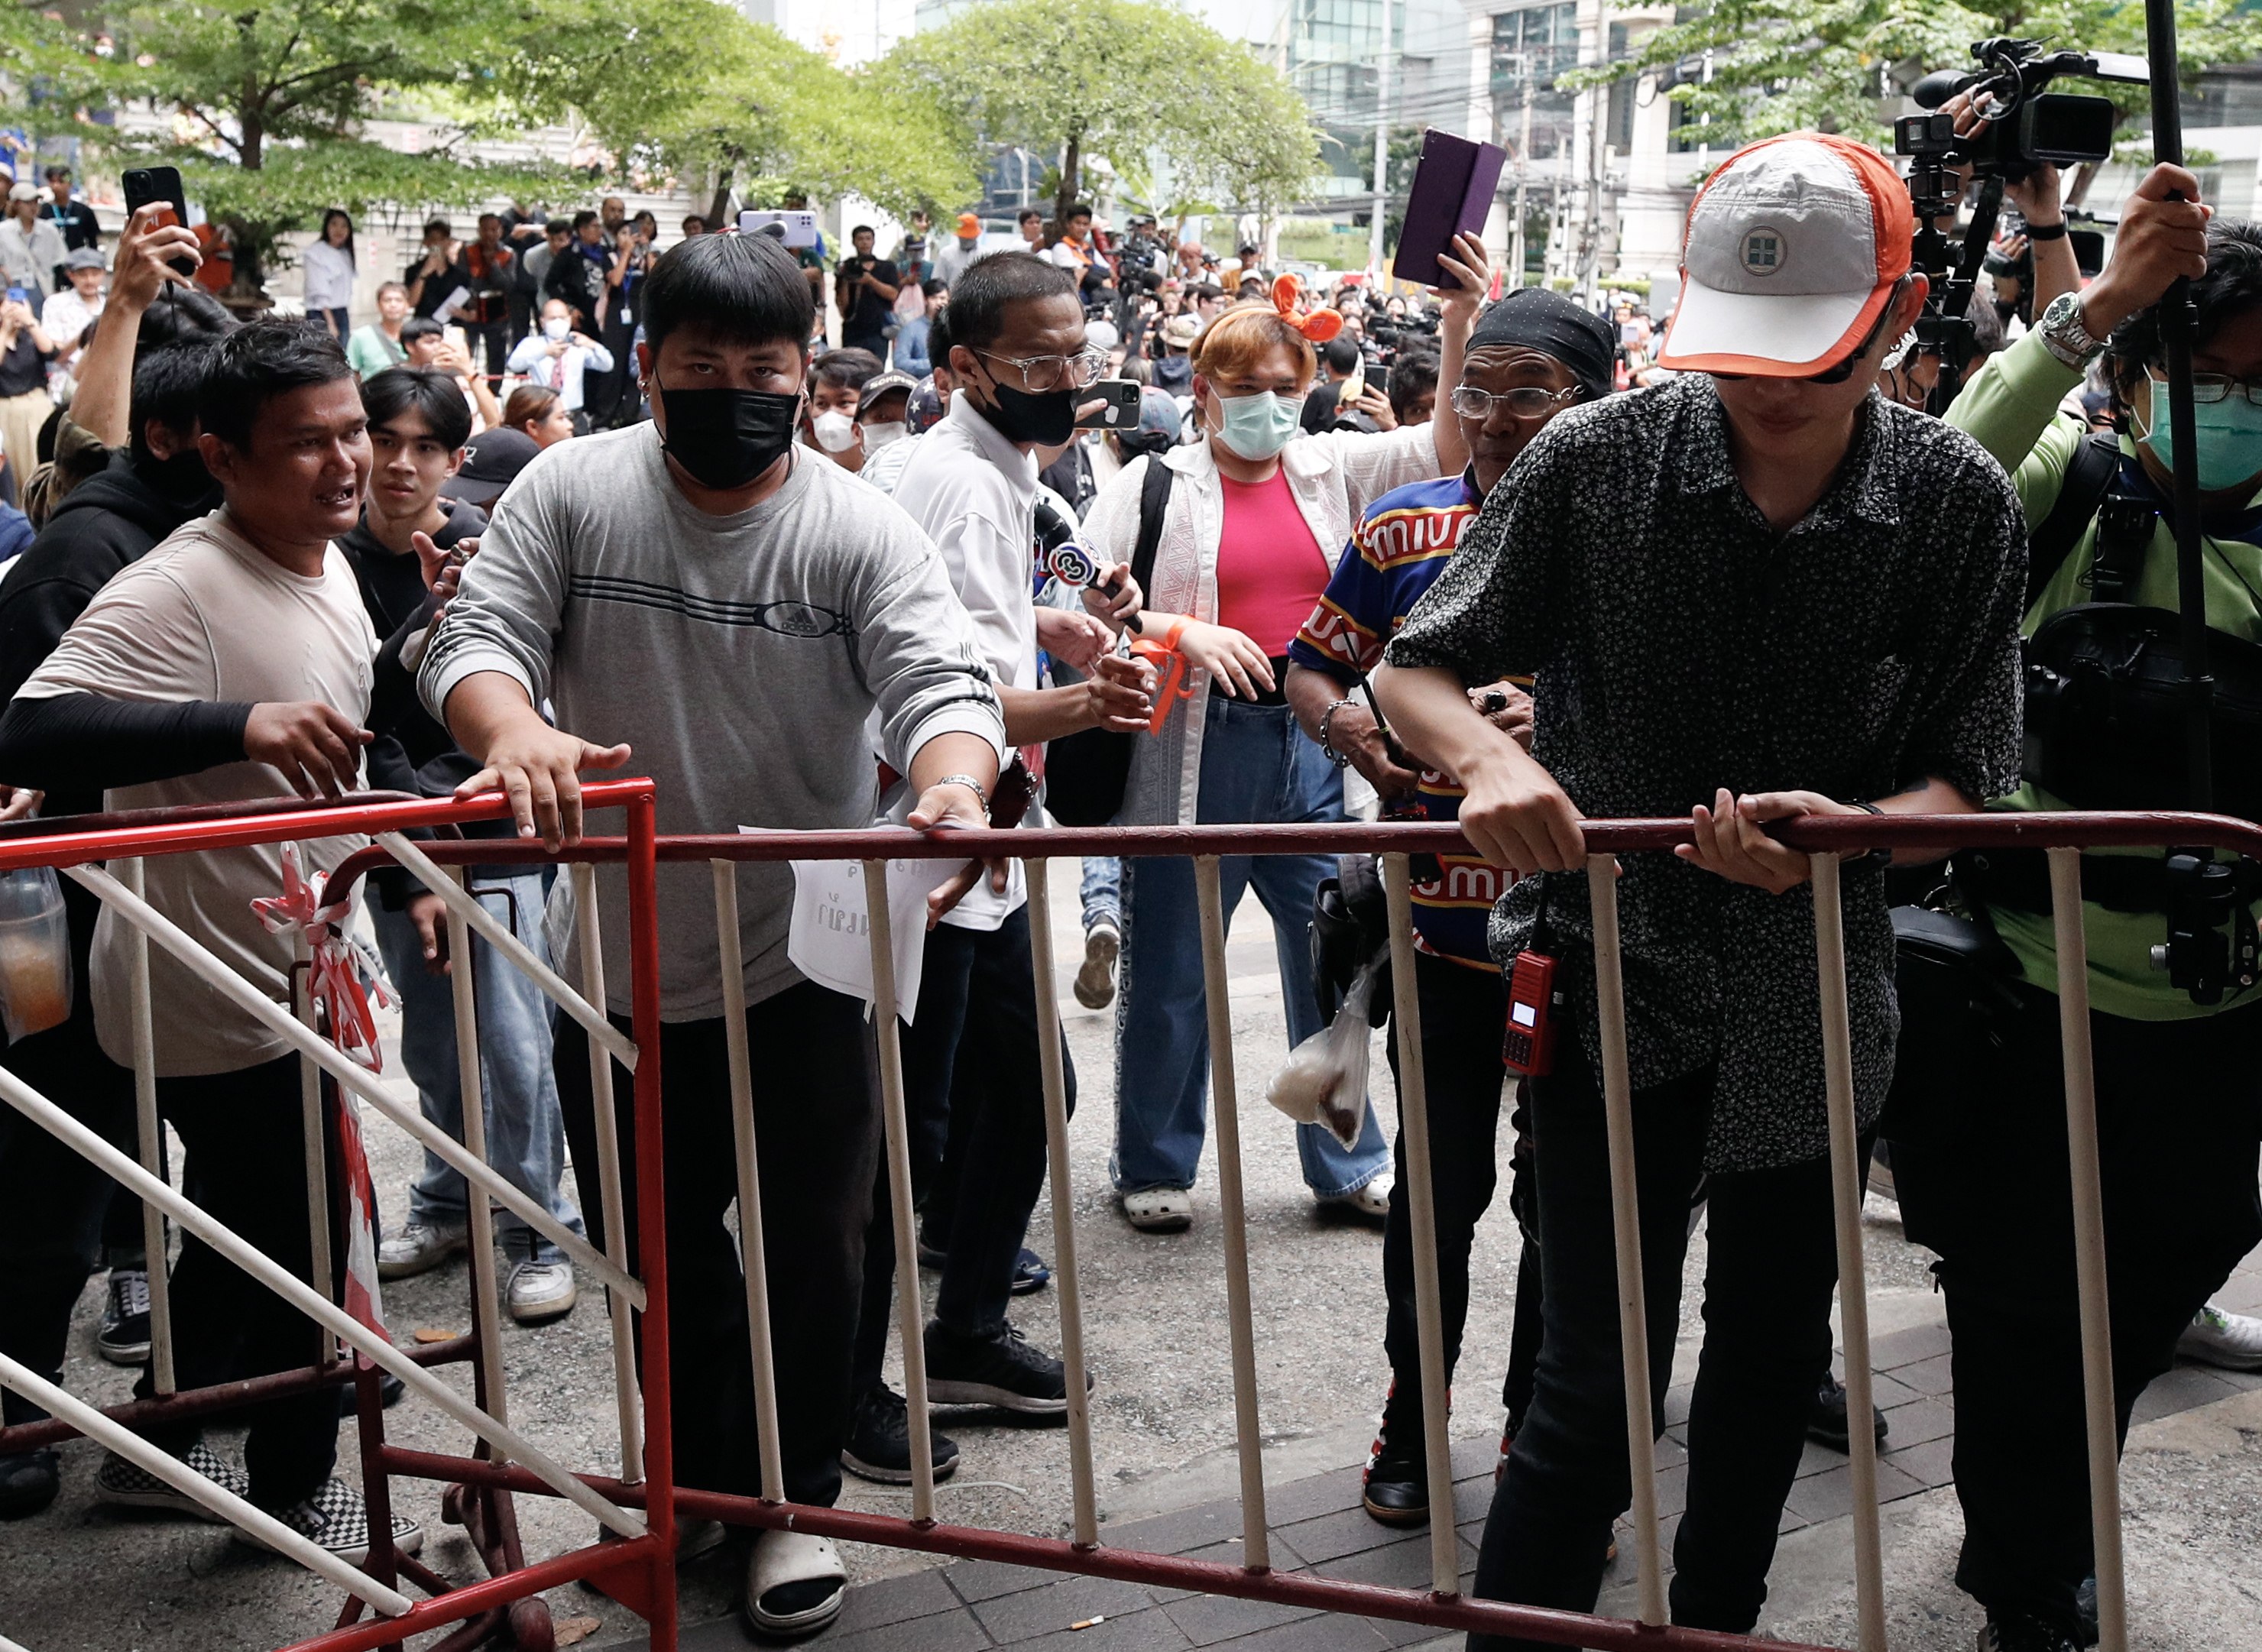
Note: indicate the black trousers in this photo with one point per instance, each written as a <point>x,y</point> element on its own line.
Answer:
<point>817,1132</point>
<point>2179,1123</point>
<point>244,1161</point>
<point>974,1099</point>
<point>1768,1282</point>
<point>606,396</point>
<point>491,342</point>
<point>1462,1014</point>
<point>57,1212</point>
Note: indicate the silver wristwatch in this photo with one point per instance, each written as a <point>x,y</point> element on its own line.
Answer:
<point>2064,336</point>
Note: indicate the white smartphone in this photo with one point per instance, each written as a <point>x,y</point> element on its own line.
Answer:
<point>794,229</point>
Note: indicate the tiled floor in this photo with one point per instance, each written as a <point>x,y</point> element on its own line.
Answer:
<point>1318,1527</point>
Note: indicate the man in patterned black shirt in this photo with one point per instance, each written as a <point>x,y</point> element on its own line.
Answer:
<point>1755,593</point>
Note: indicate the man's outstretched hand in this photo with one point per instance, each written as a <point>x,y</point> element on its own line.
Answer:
<point>539,768</point>
<point>947,808</point>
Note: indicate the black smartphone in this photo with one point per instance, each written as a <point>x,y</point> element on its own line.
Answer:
<point>1119,408</point>
<point>160,185</point>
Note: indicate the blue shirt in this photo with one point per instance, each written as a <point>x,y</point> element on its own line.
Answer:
<point>1399,547</point>
<point>911,348</point>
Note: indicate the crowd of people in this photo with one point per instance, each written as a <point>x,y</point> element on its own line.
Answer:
<point>1499,560</point>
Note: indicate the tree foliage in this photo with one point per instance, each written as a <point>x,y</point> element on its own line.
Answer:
<point>1833,65</point>
<point>1122,79</point>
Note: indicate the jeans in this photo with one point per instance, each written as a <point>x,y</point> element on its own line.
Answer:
<point>526,1137</point>
<point>337,321</point>
<point>2179,1119</point>
<point>817,1133</point>
<point>974,1098</point>
<point>243,1160</point>
<point>1101,890</point>
<point>57,1212</point>
<point>1768,1282</point>
<point>1256,767</point>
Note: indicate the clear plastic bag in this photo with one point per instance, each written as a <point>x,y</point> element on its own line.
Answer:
<point>1323,1081</point>
<point>35,955</point>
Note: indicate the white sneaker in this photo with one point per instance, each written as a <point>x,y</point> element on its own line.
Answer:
<point>419,1248</point>
<point>541,1291</point>
<point>1095,982</point>
<point>1369,1204</point>
<point>334,1518</point>
<point>2232,1340</point>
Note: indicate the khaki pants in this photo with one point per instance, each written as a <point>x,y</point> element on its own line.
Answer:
<point>21,420</point>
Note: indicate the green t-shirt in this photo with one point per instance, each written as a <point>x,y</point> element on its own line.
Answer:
<point>2011,409</point>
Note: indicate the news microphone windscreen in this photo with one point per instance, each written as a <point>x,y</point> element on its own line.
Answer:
<point>1938,87</point>
<point>1071,564</point>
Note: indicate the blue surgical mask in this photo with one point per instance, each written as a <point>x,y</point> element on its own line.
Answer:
<point>2229,438</point>
<point>1257,427</point>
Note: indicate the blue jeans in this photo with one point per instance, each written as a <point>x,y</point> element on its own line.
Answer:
<point>526,1134</point>
<point>1102,890</point>
<point>1258,767</point>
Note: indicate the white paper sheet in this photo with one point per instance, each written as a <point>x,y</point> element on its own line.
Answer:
<point>829,938</point>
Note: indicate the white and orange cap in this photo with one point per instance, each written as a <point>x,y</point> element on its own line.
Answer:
<point>1794,248</point>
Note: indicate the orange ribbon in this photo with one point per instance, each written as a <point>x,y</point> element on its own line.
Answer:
<point>1171,684</point>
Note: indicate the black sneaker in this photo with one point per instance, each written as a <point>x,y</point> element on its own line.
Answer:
<point>994,1367</point>
<point>389,1390</point>
<point>2025,1635</point>
<point>333,1517</point>
<point>1396,1489</point>
<point>880,1441</point>
<point>29,1481</point>
<point>123,1338</point>
<point>1826,1424</point>
<point>1030,1272</point>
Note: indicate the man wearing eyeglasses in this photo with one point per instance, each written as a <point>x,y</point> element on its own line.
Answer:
<point>1756,593</point>
<point>1532,355</point>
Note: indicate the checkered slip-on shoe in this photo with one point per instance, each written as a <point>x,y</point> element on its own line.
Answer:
<point>334,1518</point>
<point>127,1485</point>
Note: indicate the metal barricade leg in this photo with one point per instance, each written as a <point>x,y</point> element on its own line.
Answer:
<point>751,1259</point>
<point>1062,1192</point>
<point>911,1312</point>
<point>1846,1200</point>
<point>1255,1541</point>
<point>486,1315</point>
<point>1626,1222</point>
<point>2098,1401</point>
<point>1421,1206</point>
<point>608,1176</point>
<point>149,1133</point>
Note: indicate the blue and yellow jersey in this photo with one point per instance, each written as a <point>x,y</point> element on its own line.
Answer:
<point>1399,546</point>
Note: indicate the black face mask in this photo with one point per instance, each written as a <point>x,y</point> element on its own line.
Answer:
<point>1048,421</point>
<point>727,438</point>
<point>1174,372</point>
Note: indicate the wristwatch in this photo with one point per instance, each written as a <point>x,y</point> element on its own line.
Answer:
<point>2064,336</point>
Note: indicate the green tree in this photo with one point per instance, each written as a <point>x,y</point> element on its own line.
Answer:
<point>1840,65</point>
<point>1118,79</point>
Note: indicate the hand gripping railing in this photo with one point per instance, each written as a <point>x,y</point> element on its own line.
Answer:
<point>1442,1605</point>
<point>638,1567</point>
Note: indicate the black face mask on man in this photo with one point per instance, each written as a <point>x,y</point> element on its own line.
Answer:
<point>1047,419</point>
<point>724,437</point>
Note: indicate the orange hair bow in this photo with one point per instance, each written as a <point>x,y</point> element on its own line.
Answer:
<point>1319,326</point>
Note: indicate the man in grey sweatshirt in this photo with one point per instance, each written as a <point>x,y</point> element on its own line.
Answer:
<point>698,596</point>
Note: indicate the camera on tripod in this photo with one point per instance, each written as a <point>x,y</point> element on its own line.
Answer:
<point>2027,127</point>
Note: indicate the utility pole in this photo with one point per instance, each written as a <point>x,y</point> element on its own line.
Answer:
<point>1382,148</point>
<point>1522,178</point>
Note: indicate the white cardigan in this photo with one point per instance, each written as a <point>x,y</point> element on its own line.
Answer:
<point>1333,476</point>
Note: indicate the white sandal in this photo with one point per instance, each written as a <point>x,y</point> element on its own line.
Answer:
<point>1370,1202</point>
<point>1160,1210</point>
<point>785,1558</point>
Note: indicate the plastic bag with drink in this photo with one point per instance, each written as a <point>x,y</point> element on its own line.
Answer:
<point>35,955</point>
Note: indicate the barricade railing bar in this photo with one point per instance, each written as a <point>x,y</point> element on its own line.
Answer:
<point>637,1565</point>
<point>646,1481</point>
<point>1443,1606</point>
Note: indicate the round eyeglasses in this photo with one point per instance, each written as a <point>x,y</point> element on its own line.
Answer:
<point>1527,402</point>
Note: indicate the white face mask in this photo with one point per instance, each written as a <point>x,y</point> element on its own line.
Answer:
<point>878,435</point>
<point>835,431</point>
<point>557,326</point>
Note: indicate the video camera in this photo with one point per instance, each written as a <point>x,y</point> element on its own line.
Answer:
<point>2028,127</point>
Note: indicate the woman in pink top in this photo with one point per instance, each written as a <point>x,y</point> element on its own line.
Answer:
<point>1256,515</point>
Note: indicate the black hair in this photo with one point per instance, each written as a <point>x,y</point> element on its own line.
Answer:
<point>845,370</point>
<point>938,340</point>
<point>697,219</point>
<point>169,384</point>
<point>2232,286</point>
<point>583,219</point>
<point>433,396</point>
<point>934,287</point>
<point>1080,210</point>
<point>421,326</point>
<point>988,286</point>
<point>336,212</point>
<point>864,229</point>
<point>1412,376</point>
<point>741,289</point>
<point>557,227</point>
<point>257,364</point>
<point>1987,336</point>
<point>181,311</point>
<point>52,173</point>
<point>1028,212</point>
<point>1340,353</point>
<point>1202,290</point>
<point>440,224</point>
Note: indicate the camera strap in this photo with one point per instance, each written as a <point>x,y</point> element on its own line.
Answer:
<point>2089,473</point>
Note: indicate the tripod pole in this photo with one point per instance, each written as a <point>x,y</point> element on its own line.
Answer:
<point>2175,310</point>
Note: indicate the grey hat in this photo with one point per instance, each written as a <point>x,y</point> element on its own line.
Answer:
<point>84,258</point>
